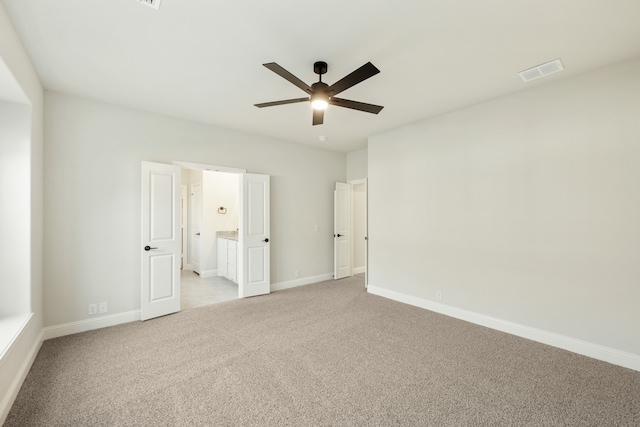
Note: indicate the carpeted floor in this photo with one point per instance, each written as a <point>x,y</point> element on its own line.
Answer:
<point>326,354</point>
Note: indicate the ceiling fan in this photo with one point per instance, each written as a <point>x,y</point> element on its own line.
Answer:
<point>321,94</point>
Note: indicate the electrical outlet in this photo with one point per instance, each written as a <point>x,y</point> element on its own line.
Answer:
<point>297,273</point>
<point>93,309</point>
<point>103,307</point>
<point>439,295</point>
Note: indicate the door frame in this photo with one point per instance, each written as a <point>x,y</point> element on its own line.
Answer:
<point>206,167</point>
<point>353,182</point>
<point>184,165</point>
<point>202,167</point>
<point>184,225</point>
<point>195,211</point>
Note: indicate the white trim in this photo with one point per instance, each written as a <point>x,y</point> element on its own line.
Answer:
<point>358,270</point>
<point>365,270</point>
<point>187,267</point>
<point>12,327</point>
<point>184,223</point>
<point>596,351</point>
<point>90,324</point>
<point>18,380</point>
<point>280,286</point>
<point>203,166</point>
<point>357,181</point>
<point>208,273</point>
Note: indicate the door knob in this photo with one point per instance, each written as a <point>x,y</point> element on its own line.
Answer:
<point>197,234</point>
<point>266,240</point>
<point>148,248</point>
<point>340,235</point>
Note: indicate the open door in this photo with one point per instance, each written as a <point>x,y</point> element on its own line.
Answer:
<point>366,232</point>
<point>160,246</point>
<point>342,230</point>
<point>196,225</point>
<point>255,257</point>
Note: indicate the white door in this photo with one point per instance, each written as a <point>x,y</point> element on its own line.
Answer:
<point>342,230</point>
<point>254,257</point>
<point>196,220</point>
<point>160,248</point>
<point>366,232</point>
<point>183,227</point>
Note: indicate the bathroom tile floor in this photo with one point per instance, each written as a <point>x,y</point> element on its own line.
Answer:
<point>196,291</point>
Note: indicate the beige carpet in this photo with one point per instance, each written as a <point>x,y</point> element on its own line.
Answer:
<point>326,354</point>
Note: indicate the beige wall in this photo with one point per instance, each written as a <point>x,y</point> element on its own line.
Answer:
<point>524,208</point>
<point>15,205</point>
<point>92,191</point>
<point>218,189</point>
<point>357,164</point>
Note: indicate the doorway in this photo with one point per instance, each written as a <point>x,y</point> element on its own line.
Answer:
<point>350,229</point>
<point>212,216</point>
<point>359,227</point>
<point>161,238</point>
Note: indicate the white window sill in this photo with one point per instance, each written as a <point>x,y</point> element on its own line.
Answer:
<point>10,328</point>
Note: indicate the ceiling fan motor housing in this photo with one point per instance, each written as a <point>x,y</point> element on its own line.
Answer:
<point>320,67</point>
<point>319,87</point>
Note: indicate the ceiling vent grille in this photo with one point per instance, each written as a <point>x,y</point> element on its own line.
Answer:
<point>151,3</point>
<point>541,70</point>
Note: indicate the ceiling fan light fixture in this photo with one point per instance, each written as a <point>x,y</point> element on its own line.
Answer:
<point>321,94</point>
<point>319,101</point>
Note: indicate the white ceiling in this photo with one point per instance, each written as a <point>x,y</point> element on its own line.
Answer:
<point>201,59</point>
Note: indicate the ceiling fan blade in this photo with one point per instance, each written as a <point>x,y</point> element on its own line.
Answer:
<point>318,117</point>
<point>288,76</point>
<point>286,101</point>
<point>361,74</point>
<point>355,105</point>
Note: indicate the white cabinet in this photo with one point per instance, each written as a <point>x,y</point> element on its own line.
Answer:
<point>228,258</point>
<point>232,257</point>
<point>222,257</point>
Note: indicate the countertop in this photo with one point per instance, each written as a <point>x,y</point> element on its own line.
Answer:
<point>231,235</point>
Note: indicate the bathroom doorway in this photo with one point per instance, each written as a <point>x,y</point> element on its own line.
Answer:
<point>211,210</point>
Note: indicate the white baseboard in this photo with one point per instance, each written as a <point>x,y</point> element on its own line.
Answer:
<point>595,351</point>
<point>300,282</point>
<point>358,270</point>
<point>208,273</point>
<point>18,379</point>
<point>90,324</point>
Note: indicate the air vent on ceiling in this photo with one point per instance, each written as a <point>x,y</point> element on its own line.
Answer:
<point>541,70</point>
<point>151,3</point>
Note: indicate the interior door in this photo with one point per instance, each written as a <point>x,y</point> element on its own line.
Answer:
<point>342,230</point>
<point>366,232</point>
<point>183,226</point>
<point>254,261</point>
<point>160,246</point>
<point>196,220</point>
